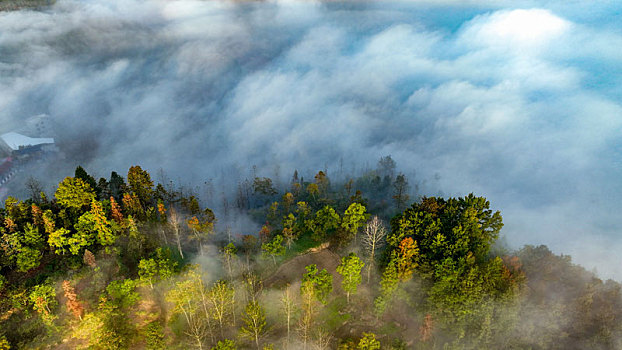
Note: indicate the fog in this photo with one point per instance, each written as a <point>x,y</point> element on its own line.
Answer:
<point>517,101</point>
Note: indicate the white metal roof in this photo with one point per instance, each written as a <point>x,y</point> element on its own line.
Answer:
<point>15,140</point>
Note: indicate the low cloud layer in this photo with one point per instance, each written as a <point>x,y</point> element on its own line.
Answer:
<point>515,101</point>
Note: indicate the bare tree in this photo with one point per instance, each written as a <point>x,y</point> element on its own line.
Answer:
<point>34,189</point>
<point>174,220</point>
<point>373,239</point>
<point>323,339</point>
<point>287,302</point>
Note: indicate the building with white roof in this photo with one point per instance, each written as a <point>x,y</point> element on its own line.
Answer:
<point>13,143</point>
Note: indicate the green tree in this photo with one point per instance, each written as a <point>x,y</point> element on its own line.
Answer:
<point>388,286</point>
<point>154,336</point>
<point>92,227</point>
<point>326,223</point>
<point>147,271</point>
<point>228,253</point>
<point>448,229</point>
<point>254,322</point>
<point>84,235</point>
<point>225,345</point>
<point>74,193</point>
<point>117,186</point>
<point>222,299</point>
<point>187,298</point>
<point>81,174</point>
<point>101,226</point>
<point>123,293</point>
<point>350,270</point>
<point>59,240</point>
<point>43,299</point>
<point>29,246</point>
<point>289,229</point>
<point>160,267</point>
<point>4,343</point>
<point>368,342</point>
<point>353,218</point>
<point>274,248</point>
<point>313,190</point>
<point>140,184</point>
<point>318,283</point>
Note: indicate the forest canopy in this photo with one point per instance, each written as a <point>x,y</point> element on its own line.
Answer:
<point>124,262</point>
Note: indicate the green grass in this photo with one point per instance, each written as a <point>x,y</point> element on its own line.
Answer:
<point>332,318</point>
<point>300,246</point>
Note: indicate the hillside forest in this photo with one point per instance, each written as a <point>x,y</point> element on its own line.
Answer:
<point>125,263</point>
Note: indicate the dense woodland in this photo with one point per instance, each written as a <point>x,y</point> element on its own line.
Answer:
<point>123,263</point>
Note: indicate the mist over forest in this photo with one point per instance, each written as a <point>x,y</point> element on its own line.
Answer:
<point>514,100</point>
<point>311,174</point>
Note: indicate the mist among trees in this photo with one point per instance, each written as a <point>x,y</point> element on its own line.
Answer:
<point>123,262</point>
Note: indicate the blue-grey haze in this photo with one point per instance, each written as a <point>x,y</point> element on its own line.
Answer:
<point>518,101</point>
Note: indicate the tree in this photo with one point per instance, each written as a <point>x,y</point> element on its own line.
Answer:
<point>103,231</point>
<point>274,248</point>
<point>91,227</point>
<point>316,286</point>
<point>80,173</point>
<point>249,246</point>
<point>84,236</point>
<point>373,239</point>
<point>400,192</point>
<point>29,245</point>
<point>225,345</point>
<point>147,270</point>
<point>350,270</point>
<point>140,184</point>
<point>388,285</point>
<point>263,188</point>
<point>202,226</point>
<point>73,305</point>
<point>406,258</point>
<point>322,181</point>
<point>158,268</point>
<point>4,343</point>
<point>313,190</point>
<point>228,253</point>
<point>89,259</point>
<point>43,299</point>
<point>368,342</point>
<point>190,299</point>
<point>288,201</point>
<point>318,283</point>
<point>448,229</point>
<point>289,229</point>
<point>117,186</point>
<point>59,240</point>
<point>287,303</point>
<point>174,221</point>
<point>154,336</point>
<point>254,321</point>
<point>74,193</point>
<point>132,206</point>
<point>222,297</point>
<point>386,167</point>
<point>353,218</point>
<point>122,293</point>
<point>115,211</point>
<point>325,223</point>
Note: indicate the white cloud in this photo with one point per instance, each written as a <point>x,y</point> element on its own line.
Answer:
<point>517,104</point>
